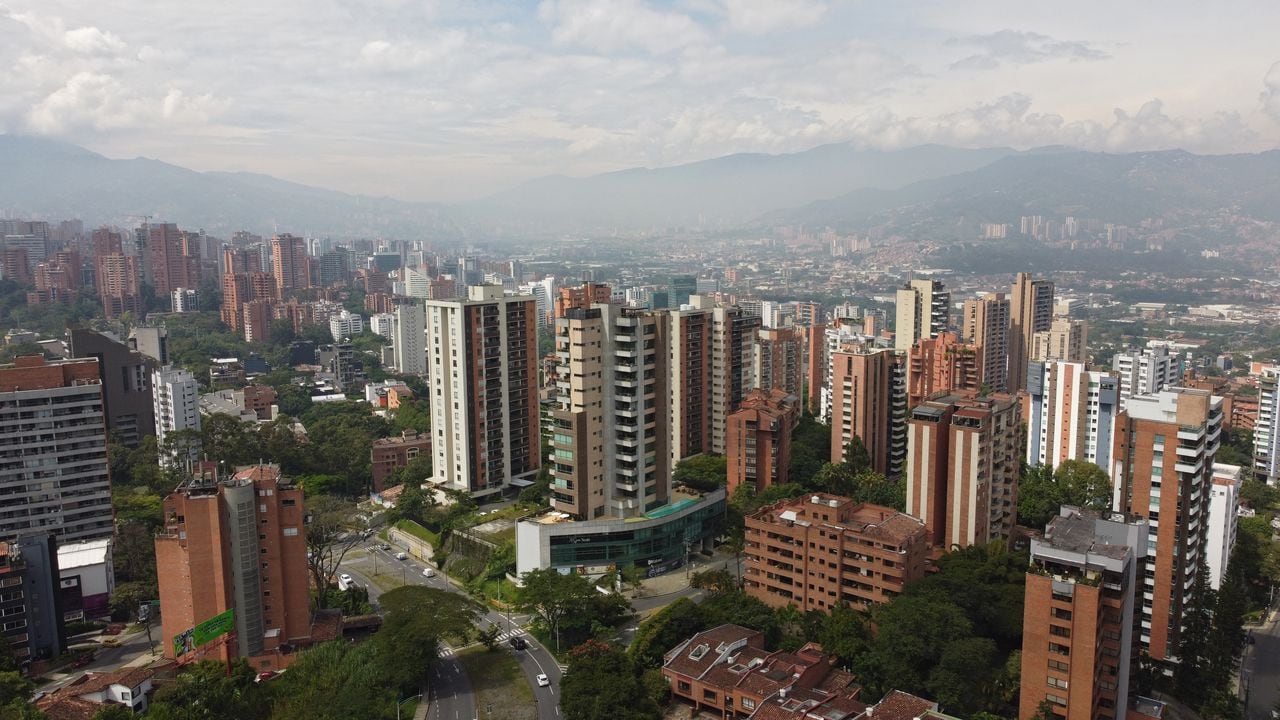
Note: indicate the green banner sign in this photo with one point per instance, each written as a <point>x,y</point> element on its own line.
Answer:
<point>215,627</point>
<point>207,631</point>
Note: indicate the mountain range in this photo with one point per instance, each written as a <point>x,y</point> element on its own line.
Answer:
<point>835,186</point>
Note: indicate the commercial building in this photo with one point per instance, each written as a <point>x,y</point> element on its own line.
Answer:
<point>986,326</point>
<point>759,449</point>
<point>869,401</point>
<point>942,365</point>
<point>484,381</point>
<point>1030,311</point>
<point>680,290</point>
<point>409,338</point>
<point>1162,470</point>
<point>1146,371</point>
<point>30,603</point>
<point>727,670</point>
<point>289,264</point>
<point>236,543</point>
<point>822,551</point>
<point>1078,616</point>
<point>1065,340</point>
<point>177,407</point>
<point>53,461</point>
<point>390,454</point>
<point>963,468</point>
<point>1224,515</point>
<point>1071,414</point>
<point>86,578</point>
<point>658,541</point>
<point>778,360</point>
<point>923,310</point>
<point>125,378</point>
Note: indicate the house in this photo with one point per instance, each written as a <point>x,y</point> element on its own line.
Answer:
<point>727,669</point>
<point>129,686</point>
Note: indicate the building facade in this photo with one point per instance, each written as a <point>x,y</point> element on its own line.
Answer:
<point>484,381</point>
<point>1065,340</point>
<point>759,450</point>
<point>942,365</point>
<point>53,465</point>
<point>923,310</point>
<point>986,326</point>
<point>1030,311</point>
<point>1145,371</point>
<point>390,454</point>
<point>1071,414</point>
<point>778,360</point>
<point>176,396</point>
<point>409,338</point>
<point>868,401</point>
<point>236,543</point>
<point>821,551</point>
<point>125,377</point>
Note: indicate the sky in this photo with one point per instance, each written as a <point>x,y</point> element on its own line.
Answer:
<point>448,101</point>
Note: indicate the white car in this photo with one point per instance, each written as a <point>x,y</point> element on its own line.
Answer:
<point>344,578</point>
<point>428,572</point>
<point>543,681</point>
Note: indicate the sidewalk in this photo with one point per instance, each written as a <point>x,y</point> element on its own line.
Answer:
<point>678,580</point>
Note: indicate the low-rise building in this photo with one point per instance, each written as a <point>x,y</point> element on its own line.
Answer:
<point>391,454</point>
<point>820,551</point>
<point>83,698</point>
<point>727,669</point>
<point>87,579</point>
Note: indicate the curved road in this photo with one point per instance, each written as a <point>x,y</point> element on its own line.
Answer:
<point>451,696</point>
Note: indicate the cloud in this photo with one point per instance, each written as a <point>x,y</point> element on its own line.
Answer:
<point>87,100</point>
<point>402,56</point>
<point>1016,47</point>
<point>758,17</point>
<point>92,41</point>
<point>618,25</point>
<point>1271,92</point>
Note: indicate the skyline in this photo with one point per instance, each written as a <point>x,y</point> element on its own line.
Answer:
<point>447,102</point>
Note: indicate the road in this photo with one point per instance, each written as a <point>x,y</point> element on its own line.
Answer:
<point>534,660</point>
<point>108,659</point>
<point>1261,670</point>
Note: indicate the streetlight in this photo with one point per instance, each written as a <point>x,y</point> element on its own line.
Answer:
<point>398,704</point>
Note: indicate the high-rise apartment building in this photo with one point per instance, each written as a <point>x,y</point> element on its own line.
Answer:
<point>732,335</point>
<point>868,401</point>
<point>31,602</point>
<point>680,289</point>
<point>484,389</point>
<point>1071,414</point>
<point>1078,617</point>
<point>942,365</point>
<point>923,310</point>
<point>53,464</point>
<point>1066,340</point>
<point>255,320</point>
<point>118,276</point>
<point>125,377</point>
<point>610,439</point>
<point>409,337</point>
<point>335,267</point>
<point>986,326</point>
<point>963,468</point>
<point>759,449</point>
<point>345,325</point>
<point>236,544</point>
<point>778,361</point>
<point>1162,470</point>
<point>1266,429</point>
<point>175,262</point>
<point>581,296</point>
<point>690,368</point>
<point>185,300</point>
<point>241,260</point>
<point>1146,371</point>
<point>290,264</point>
<point>1030,311</point>
<point>14,265</point>
<point>873,552</point>
<point>1224,515</point>
<point>177,407</point>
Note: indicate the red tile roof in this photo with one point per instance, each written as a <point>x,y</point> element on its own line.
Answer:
<point>898,705</point>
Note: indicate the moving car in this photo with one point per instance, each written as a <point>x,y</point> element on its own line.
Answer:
<point>543,681</point>
<point>401,556</point>
<point>428,572</point>
<point>519,643</point>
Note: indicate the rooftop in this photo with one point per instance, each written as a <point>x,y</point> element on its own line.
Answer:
<point>83,554</point>
<point>898,705</point>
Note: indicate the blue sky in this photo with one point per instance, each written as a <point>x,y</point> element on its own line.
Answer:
<point>451,100</point>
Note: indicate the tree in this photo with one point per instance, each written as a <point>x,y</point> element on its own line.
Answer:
<point>333,681</point>
<point>603,684</point>
<point>552,597</point>
<point>225,439</point>
<point>1084,484</point>
<point>702,472</point>
<point>113,711</point>
<point>14,687</point>
<point>415,618</point>
<point>856,455</point>
<point>661,632</point>
<point>1038,496</point>
<point>488,637</point>
<point>330,535</point>
<point>207,691</point>
<point>1192,675</point>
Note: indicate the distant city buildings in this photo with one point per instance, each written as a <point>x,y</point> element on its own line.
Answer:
<point>1030,311</point>
<point>177,408</point>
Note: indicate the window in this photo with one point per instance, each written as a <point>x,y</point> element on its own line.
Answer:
<point>290,532</point>
<point>1062,614</point>
<point>1056,699</point>
<point>1059,631</point>
<point>1059,666</point>
<point>1057,683</point>
<point>683,687</point>
<point>1058,649</point>
<point>748,703</point>
<point>288,503</point>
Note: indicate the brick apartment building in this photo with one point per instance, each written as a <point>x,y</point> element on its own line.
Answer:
<point>940,365</point>
<point>759,441</point>
<point>391,454</point>
<point>240,543</point>
<point>819,551</point>
<point>727,669</point>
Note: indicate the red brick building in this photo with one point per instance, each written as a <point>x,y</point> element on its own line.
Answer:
<point>391,454</point>
<point>819,551</point>
<point>727,669</point>
<point>759,439</point>
<point>238,542</point>
<point>940,365</point>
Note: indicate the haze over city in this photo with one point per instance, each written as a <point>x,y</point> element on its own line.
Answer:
<point>448,101</point>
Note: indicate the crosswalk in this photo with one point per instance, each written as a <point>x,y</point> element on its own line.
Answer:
<point>518,632</point>
<point>447,651</point>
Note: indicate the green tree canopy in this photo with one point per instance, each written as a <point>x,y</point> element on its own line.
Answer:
<point>702,472</point>
<point>603,684</point>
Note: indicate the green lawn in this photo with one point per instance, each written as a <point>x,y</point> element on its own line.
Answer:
<point>419,532</point>
<point>502,692</point>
